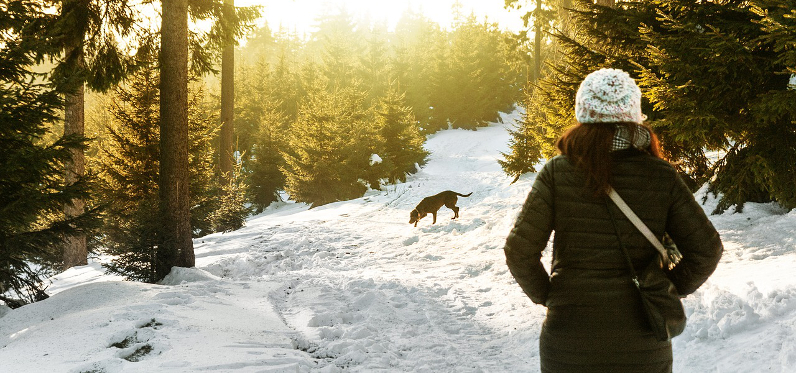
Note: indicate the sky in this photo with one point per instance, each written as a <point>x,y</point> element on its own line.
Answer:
<point>301,14</point>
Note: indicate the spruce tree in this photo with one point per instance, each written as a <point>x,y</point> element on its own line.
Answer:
<point>335,42</point>
<point>327,153</point>
<point>249,90</point>
<point>777,106</point>
<point>527,142</point>
<point>400,143</point>
<point>87,33</point>
<point>232,211</point>
<point>441,94</point>
<point>412,62</point>
<point>283,83</point>
<point>599,36</point>
<point>464,77</point>
<point>499,79</point>
<point>261,44</point>
<point>128,166</point>
<point>205,184</point>
<point>714,77</point>
<point>475,79</point>
<point>373,69</point>
<point>265,178</point>
<point>267,97</point>
<point>719,78</point>
<point>32,191</point>
<point>128,174</point>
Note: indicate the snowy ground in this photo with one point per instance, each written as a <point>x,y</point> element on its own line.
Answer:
<point>352,286</point>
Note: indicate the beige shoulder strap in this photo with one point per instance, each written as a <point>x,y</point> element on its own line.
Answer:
<point>637,222</point>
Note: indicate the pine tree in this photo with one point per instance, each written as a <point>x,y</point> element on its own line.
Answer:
<point>205,184</point>
<point>719,78</point>
<point>128,173</point>
<point>206,45</point>
<point>128,166</point>
<point>87,33</point>
<point>327,153</point>
<point>32,191</point>
<point>527,142</point>
<point>441,94</point>
<point>545,16</point>
<point>400,143</point>
<point>373,69</point>
<point>475,77</point>
<point>232,211</point>
<point>464,77</point>
<point>230,25</point>
<point>600,36</point>
<point>267,98</point>
<point>412,62</point>
<point>714,77</point>
<point>177,246</point>
<point>335,42</point>
<point>265,168</point>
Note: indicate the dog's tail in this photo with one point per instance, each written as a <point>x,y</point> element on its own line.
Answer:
<point>463,195</point>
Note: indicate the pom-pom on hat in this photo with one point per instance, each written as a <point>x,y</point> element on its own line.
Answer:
<point>607,96</point>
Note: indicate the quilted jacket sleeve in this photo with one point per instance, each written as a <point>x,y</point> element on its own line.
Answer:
<point>696,238</point>
<point>528,238</point>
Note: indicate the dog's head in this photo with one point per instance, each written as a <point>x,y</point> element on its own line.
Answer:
<point>415,216</point>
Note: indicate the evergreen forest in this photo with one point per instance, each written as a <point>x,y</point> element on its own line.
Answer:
<point>717,79</point>
<point>116,143</point>
<point>124,140</point>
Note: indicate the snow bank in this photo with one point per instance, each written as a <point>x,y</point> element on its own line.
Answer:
<point>180,276</point>
<point>125,326</point>
<point>352,286</point>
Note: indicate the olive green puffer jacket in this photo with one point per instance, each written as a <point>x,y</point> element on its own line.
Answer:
<point>589,271</point>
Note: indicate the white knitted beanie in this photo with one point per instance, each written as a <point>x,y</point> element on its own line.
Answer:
<point>607,96</point>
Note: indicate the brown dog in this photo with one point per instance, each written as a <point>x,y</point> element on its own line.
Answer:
<point>433,203</point>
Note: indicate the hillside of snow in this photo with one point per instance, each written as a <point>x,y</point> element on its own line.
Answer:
<point>352,286</point>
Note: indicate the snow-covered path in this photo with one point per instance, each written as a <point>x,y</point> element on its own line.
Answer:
<point>351,286</point>
<point>368,291</point>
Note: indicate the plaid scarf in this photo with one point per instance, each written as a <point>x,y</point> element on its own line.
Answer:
<point>621,138</point>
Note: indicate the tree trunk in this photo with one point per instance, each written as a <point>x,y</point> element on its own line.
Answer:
<point>227,96</point>
<point>74,249</point>
<point>564,17</point>
<point>177,246</point>
<point>537,43</point>
<point>605,2</point>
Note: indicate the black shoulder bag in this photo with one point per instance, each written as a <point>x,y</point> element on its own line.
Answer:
<point>659,297</point>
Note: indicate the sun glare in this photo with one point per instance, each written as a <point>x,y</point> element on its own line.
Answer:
<point>302,15</point>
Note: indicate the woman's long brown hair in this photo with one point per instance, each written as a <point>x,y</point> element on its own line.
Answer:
<point>589,147</point>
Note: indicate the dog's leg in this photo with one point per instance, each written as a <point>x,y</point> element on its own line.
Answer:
<point>455,212</point>
<point>434,214</point>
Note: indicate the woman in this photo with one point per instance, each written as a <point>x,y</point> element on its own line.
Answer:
<point>595,321</point>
